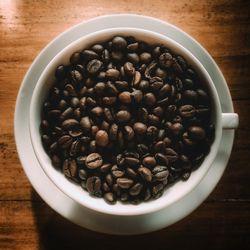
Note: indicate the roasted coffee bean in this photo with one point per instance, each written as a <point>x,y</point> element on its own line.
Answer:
<point>125,97</point>
<point>133,58</point>
<point>94,66</point>
<point>117,55</point>
<point>93,161</point>
<point>125,118</point>
<point>131,173</point>
<point>187,111</point>
<point>144,85</point>
<point>145,173</point>
<point>136,79</point>
<point>60,72</point>
<point>74,148</point>
<point>70,124</point>
<point>130,161</point>
<point>129,69</point>
<point>142,149</point>
<point>65,141</point>
<point>128,133</point>
<point>109,100</point>
<point>112,74</point>
<point>70,168</point>
<point>145,57</point>
<point>102,138</point>
<point>81,160</point>
<point>89,55</point>
<point>171,155</point>
<point>137,96</point>
<point>117,173</point>
<point>82,174</point>
<point>161,159</point>
<point>113,132</point>
<point>139,128</point>
<point>85,123</point>
<point>125,183</point>
<point>196,133</point>
<point>135,189</point>
<point>93,185</point>
<point>109,197</point>
<point>119,43</point>
<point>56,161</point>
<point>150,99</point>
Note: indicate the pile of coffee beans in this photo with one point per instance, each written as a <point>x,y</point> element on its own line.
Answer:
<point>126,119</point>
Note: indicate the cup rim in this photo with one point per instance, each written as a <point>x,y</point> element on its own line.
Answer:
<point>37,144</point>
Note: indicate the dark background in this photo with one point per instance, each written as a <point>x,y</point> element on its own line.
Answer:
<point>222,221</point>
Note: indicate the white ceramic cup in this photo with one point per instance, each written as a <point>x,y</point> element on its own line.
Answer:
<point>74,191</point>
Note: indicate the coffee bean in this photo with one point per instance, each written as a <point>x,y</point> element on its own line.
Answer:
<point>119,43</point>
<point>70,124</point>
<point>142,149</point>
<point>149,161</point>
<point>99,88</point>
<point>150,99</point>
<point>102,138</point>
<point>136,79</point>
<point>112,74</point>
<point>56,161</point>
<point>93,161</point>
<point>131,161</point>
<point>85,123</point>
<point>74,148</point>
<point>76,76</point>
<point>166,60</point>
<point>135,189</point>
<point>187,111</point>
<point>156,83</point>
<point>109,100</point>
<point>109,197</point>
<point>161,159</point>
<point>133,58</point>
<point>143,115</point>
<point>129,69</point>
<point>113,132</point>
<point>144,85</point>
<point>70,168</point>
<point>93,185</point>
<point>60,72</point>
<point>196,133</point>
<point>97,111</point>
<point>117,55</point>
<point>161,73</point>
<point>128,133</point>
<point>172,156</point>
<point>125,97</point>
<point>123,116</point>
<point>131,173</point>
<point>125,183</point>
<point>145,57</point>
<point>137,96</point>
<point>145,174</point>
<point>140,128</point>
<point>65,141</point>
<point>117,173</point>
<point>157,189</point>
<point>94,66</point>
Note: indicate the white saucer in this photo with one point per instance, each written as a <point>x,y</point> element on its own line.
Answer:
<point>62,203</point>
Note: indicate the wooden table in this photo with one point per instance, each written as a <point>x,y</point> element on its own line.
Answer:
<point>222,221</point>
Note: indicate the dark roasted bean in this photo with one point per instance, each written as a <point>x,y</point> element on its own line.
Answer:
<point>135,189</point>
<point>70,168</point>
<point>145,173</point>
<point>124,183</point>
<point>102,138</point>
<point>93,185</point>
<point>93,161</point>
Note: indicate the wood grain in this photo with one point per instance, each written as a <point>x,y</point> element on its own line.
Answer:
<point>222,27</point>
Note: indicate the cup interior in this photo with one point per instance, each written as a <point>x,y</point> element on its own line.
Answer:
<point>74,191</point>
